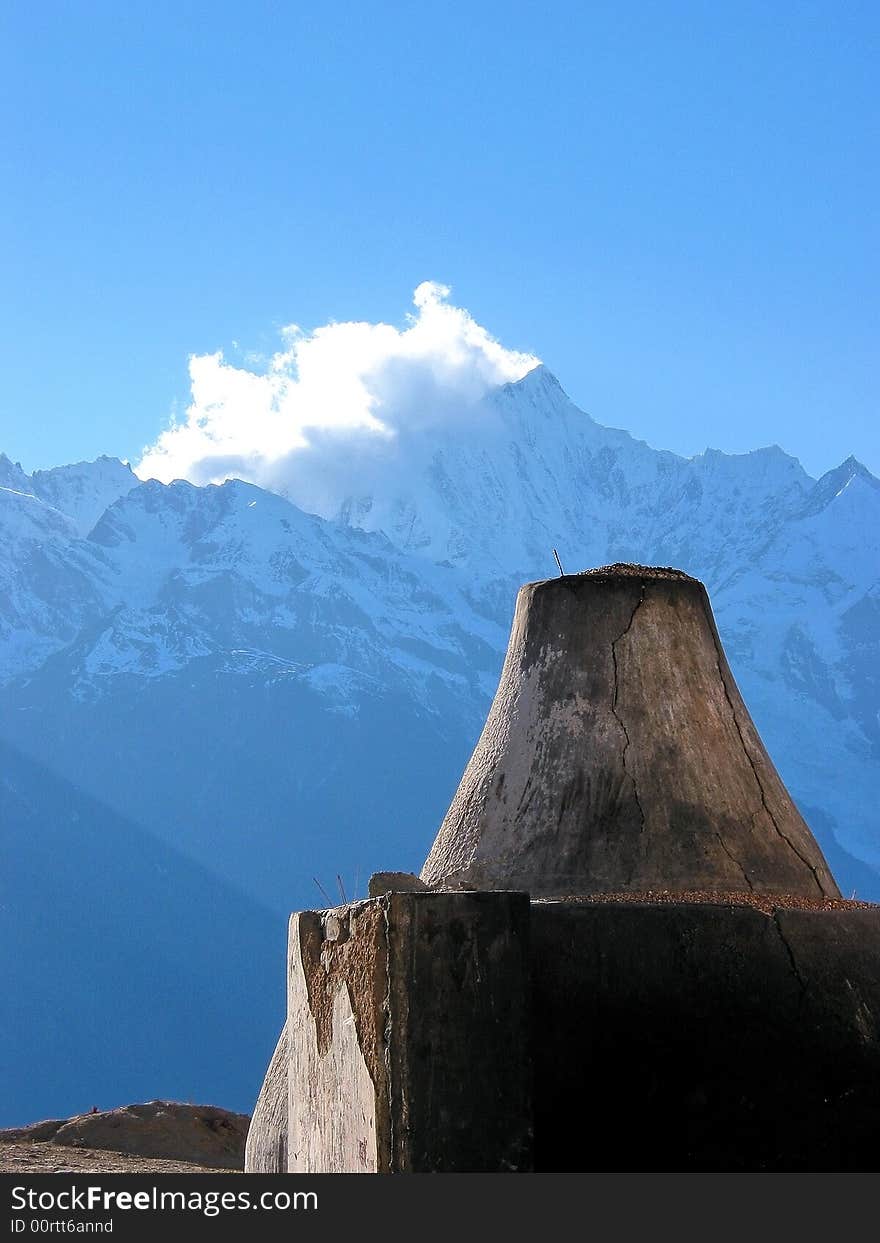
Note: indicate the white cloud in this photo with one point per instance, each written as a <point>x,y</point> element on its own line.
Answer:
<point>331,398</point>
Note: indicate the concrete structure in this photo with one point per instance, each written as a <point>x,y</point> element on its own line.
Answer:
<point>618,755</point>
<point>625,950</point>
<point>407,1045</point>
<point>699,1036</point>
<point>266,1148</point>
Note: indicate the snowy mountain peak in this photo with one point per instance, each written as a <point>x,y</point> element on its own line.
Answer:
<point>839,481</point>
<point>766,457</point>
<point>539,380</point>
<point>83,490</point>
<point>537,391</point>
<point>857,470</point>
<point>12,476</point>
<point>80,491</point>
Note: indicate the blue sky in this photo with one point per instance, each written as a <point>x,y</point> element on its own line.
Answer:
<point>674,205</point>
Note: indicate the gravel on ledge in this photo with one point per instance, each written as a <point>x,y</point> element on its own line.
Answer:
<point>765,902</point>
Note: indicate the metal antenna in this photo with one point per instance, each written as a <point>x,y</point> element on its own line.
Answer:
<point>341,888</point>
<point>559,563</point>
<point>323,891</point>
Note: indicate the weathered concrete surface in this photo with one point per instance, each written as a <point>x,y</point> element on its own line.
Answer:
<point>201,1134</point>
<point>266,1148</point>
<point>337,1078</point>
<point>408,1035</point>
<point>444,1031</point>
<point>393,882</point>
<point>460,1054</point>
<point>618,754</point>
<point>705,1037</point>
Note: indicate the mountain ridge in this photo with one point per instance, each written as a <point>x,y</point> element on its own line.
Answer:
<point>280,688</point>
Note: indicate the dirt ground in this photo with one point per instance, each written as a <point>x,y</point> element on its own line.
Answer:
<point>39,1158</point>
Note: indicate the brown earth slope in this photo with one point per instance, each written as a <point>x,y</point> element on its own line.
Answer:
<point>158,1137</point>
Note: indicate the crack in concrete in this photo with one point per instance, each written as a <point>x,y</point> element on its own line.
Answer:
<point>754,767</point>
<point>614,712</point>
<point>735,860</point>
<point>791,958</point>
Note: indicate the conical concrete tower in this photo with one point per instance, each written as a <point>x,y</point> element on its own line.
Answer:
<point>618,756</point>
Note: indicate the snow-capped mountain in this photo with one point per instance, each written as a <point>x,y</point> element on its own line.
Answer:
<point>529,471</point>
<point>792,564</point>
<point>81,491</point>
<point>261,699</point>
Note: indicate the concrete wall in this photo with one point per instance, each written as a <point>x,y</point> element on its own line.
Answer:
<point>408,1032</point>
<point>266,1148</point>
<point>476,1031</point>
<point>703,1037</point>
